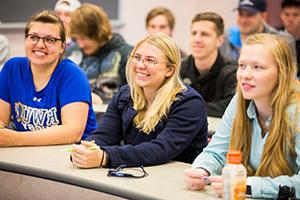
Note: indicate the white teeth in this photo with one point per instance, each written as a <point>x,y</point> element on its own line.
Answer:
<point>140,74</point>
<point>38,53</point>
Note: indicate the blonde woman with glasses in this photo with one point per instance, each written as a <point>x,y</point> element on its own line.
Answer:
<point>262,121</point>
<point>48,97</point>
<point>156,117</point>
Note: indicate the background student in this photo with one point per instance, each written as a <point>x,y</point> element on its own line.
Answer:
<point>161,19</point>
<point>49,98</point>
<point>290,17</point>
<point>251,18</point>
<point>262,121</point>
<point>64,9</point>
<point>206,70</point>
<point>105,53</point>
<point>156,116</point>
<point>4,50</point>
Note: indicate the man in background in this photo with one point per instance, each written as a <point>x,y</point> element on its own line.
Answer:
<point>64,9</point>
<point>105,53</point>
<point>161,19</point>
<point>4,50</point>
<point>251,19</point>
<point>290,17</point>
<point>206,70</point>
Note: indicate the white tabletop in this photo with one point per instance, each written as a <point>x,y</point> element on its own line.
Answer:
<point>213,124</point>
<point>164,181</point>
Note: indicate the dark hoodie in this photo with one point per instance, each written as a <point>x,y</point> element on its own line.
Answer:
<point>106,68</point>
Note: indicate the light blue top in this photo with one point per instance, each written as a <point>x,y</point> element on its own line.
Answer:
<point>213,157</point>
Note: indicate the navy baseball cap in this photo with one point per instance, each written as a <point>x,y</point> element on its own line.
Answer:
<point>252,6</point>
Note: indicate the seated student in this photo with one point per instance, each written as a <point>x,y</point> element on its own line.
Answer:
<point>262,121</point>
<point>161,19</point>
<point>156,116</point>
<point>105,53</point>
<point>4,50</point>
<point>64,9</point>
<point>290,17</point>
<point>206,69</point>
<point>49,98</point>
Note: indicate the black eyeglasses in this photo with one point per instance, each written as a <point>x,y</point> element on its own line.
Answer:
<point>48,41</point>
<point>124,172</point>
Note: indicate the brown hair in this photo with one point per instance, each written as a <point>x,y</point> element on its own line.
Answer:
<point>161,11</point>
<point>212,17</point>
<point>47,16</point>
<point>91,21</point>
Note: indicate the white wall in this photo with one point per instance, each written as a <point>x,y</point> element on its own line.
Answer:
<point>133,14</point>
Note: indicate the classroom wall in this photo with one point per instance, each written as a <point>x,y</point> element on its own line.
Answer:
<point>133,13</point>
<point>132,17</point>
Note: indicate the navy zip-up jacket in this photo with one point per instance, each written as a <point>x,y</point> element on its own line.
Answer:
<point>180,136</point>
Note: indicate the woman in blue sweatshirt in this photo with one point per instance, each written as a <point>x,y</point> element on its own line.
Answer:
<point>155,117</point>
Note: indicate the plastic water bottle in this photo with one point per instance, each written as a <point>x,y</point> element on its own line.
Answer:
<point>234,177</point>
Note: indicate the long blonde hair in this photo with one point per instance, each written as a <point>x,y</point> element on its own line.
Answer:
<point>279,144</point>
<point>148,117</point>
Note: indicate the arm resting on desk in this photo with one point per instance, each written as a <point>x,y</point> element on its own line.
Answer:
<point>171,137</point>
<point>74,117</point>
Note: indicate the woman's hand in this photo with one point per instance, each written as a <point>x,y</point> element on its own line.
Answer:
<point>87,155</point>
<point>195,178</point>
<point>217,185</point>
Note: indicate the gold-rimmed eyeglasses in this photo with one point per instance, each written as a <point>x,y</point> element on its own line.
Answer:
<point>48,41</point>
<point>148,61</point>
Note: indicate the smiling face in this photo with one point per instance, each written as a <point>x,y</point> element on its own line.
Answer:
<point>146,76</point>
<point>41,54</point>
<point>257,74</point>
<point>204,39</point>
<point>249,23</point>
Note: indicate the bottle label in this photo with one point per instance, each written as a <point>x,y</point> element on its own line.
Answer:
<point>234,184</point>
<point>239,190</point>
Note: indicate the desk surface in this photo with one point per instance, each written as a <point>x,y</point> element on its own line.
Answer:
<point>164,181</point>
<point>100,108</point>
<point>213,124</point>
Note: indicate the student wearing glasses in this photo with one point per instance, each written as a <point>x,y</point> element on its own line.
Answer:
<point>155,117</point>
<point>261,121</point>
<point>49,98</point>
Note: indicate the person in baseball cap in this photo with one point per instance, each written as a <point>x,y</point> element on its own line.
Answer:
<point>67,5</point>
<point>64,9</point>
<point>252,6</point>
<point>251,18</point>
